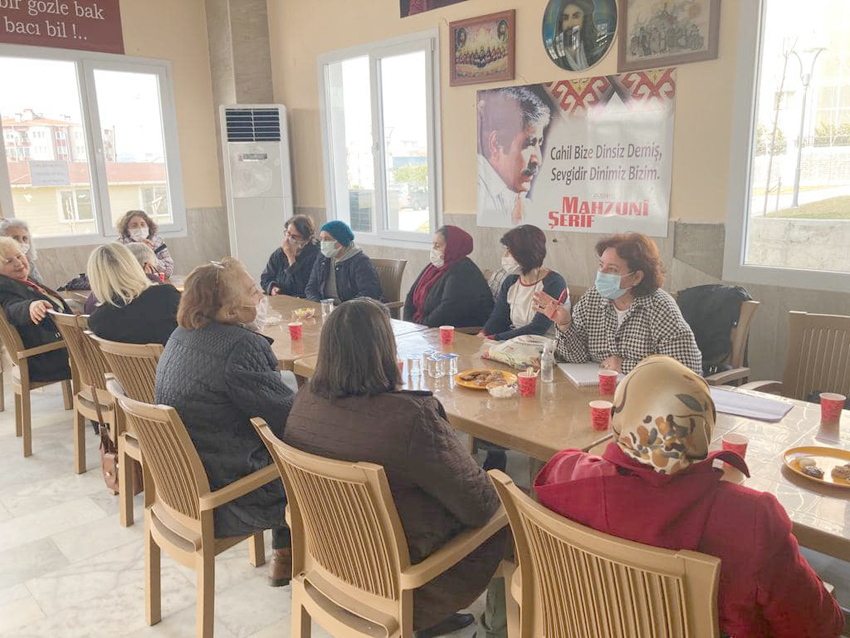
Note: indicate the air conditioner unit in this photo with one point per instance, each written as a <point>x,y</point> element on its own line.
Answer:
<point>257,178</point>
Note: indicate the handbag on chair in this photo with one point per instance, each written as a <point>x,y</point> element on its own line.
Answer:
<point>109,464</point>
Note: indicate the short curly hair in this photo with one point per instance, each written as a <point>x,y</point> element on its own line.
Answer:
<point>130,214</point>
<point>527,244</point>
<point>640,253</point>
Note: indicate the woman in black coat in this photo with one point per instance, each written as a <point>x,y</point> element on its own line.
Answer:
<point>134,310</point>
<point>218,374</point>
<point>289,267</point>
<point>343,271</point>
<point>26,304</point>
<point>451,290</point>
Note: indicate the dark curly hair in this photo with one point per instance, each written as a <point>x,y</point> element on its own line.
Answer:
<point>527,244</point>
<point>640,253</point>
<point>130,214</point>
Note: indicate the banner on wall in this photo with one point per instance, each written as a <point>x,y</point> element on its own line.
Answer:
<point>592,155</point>
<point>89,25</point>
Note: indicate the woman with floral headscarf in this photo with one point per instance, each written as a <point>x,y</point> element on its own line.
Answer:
<point>655,484</point>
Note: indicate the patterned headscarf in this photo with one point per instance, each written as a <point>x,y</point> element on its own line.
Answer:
<point>663,415</point>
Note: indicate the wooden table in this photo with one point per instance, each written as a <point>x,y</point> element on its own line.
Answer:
<point>557,418</point>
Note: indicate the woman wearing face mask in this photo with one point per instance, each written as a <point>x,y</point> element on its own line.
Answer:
<point>133,310</point>
<point>451,290</point>
<point>290,265</point>
<point>343,271</point>
<point>136,226</point>
<point>218,373</point>
<point>19,230</point>
<point>515,312</point>
<point>625,317</point>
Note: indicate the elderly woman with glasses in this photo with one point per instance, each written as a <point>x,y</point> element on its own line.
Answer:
<point>289,267</point>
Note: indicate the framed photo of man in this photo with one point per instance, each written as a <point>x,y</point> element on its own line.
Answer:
<point>660,34</point>
<point>577,34</point>
<point>483,49</point>
<point>413,7</point>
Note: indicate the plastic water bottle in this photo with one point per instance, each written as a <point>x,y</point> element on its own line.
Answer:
<point>547,365</point>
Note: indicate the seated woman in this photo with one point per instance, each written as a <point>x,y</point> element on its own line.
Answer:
<point>136,226</point>
<point>343,271</point>
<point>657,486</point>
<point>147,260</point>
<point>26,304</point>
<point>451,290</point>
<point>352,410</point>
<point>19,230</point>
<point>515,312</point>
<point>625,316</point>
<point>218,374</point>
<point>133,309</point>
<point>290,265</point>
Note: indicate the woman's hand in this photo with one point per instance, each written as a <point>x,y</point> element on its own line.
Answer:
<point>290,250</point>
<point>38,310</point>
<point>148,243</point>
<point>150,269</point>
<point>612,363</point>
<point>274,291</point>
<point>549,306</point>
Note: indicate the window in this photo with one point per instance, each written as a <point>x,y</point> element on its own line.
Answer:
<point>794,148</point>
<point>93,137</point>
<point>381,138</point>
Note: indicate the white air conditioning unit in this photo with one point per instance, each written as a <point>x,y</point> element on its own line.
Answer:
<point>258,180</point>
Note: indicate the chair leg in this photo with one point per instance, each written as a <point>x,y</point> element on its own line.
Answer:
<point>26,422</point>
<point>302,624</point>
<point>67,395</point>
<point>18,423</point>
<point>79,443</point>
<point>153,595</point>
<point>125,485</point>
<point>2,391</point>
<point>205,578</point>
<point>257,550</point>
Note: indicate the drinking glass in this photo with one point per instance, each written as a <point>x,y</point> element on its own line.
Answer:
<point>452,364</point>
<point>414,365</point>
<point>434,368</point>
<point>327,307</point>
<point>443,366</point>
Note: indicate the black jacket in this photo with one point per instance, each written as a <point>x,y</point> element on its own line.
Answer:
<point>499,324</point>
<point>150,318</point>
<point>218,378</point>
<point>355,277</point>
<point>15,298</point>
<point>460,298</point>
<point>290,281</point>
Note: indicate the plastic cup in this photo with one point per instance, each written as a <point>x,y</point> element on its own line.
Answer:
<point>434,368</point>
<point>327,307</point>
<point>600,414</point>
<point>734,442</point>
<point>451,360</point>
<point>295,330</point>
<point>608,382</point>
<point>447,335</point>
<point>527,384</point>
<point>414,365</point>
<point>831,404</point>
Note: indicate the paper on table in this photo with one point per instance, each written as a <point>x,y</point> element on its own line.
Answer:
<point>582,374</point>
<point>747,405</point>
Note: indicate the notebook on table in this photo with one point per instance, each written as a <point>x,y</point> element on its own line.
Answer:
<point>583,374</point>
<point>750,406</point>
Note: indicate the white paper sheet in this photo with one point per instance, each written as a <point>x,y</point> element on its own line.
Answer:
<point>747,405</point>
<point>583,374</point>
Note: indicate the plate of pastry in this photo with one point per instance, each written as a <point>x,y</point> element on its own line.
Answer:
<point>827,465</point>
<point>484,379</point>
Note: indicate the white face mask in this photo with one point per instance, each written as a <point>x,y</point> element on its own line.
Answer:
<point>437,258</point>
<point>261,319</point>
<point>510,265</point>
<point>25,248</point>
<point>138,234</point>
<point>328,248</point>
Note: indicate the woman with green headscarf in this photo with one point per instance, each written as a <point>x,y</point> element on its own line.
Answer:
<point>656,484</point>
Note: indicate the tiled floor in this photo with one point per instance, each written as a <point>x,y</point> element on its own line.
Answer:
<point>68,569</point>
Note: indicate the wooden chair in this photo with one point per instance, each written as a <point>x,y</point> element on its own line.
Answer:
<point>738,357</point>
<point>390,272</point>
<point>576,293</point>
<point>134,367</point>
<point>575,581</point>
<point>350,562</point>
<point>179,511</point>
<point>91,399</point>
<point>17,356</point>
<point>818,357</point>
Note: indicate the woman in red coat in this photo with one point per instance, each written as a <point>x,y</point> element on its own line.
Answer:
<point>655,484</point>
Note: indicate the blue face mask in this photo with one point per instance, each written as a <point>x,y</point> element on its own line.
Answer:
<point>608,285</point>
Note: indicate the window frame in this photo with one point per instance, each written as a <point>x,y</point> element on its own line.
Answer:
<point>86,64</point>
<point>76,220</point>
<point>744,121</point>
<point>428,42</point>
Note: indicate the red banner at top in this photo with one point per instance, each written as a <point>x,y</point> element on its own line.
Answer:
<point>89,25</point>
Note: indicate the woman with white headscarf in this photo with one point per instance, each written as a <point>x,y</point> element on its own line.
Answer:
<point>656,484</point>
<point>19,230</point>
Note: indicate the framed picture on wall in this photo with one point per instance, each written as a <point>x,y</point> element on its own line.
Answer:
<point>483,49</point>
<point>660,34</point>
<point>412,7</point>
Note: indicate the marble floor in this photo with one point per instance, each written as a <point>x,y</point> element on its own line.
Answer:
<point>67,569</point>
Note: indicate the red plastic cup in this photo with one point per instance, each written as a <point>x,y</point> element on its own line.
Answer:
<point>734,442</point>
<point>295,330</point>
<point>447,335</point>
<point>831,404</point>
<point>600,414</point>
<point>608,381</point>
<point>527,384</point>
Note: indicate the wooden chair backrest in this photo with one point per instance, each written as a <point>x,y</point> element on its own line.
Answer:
<point>741,333</point>
<point>88,360</point>
<point>818,358</point>
<point>576,581</point>
<point>10,338</point>
<point>390,272</point>
<point>348,517</point>
<point>133,364</point>
<point>170,457</point>
<point>576,293</point>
